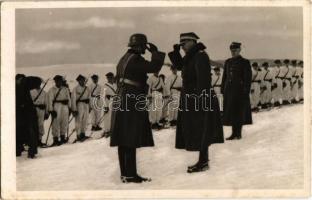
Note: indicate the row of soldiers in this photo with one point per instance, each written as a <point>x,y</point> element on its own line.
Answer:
<point>277,85</point>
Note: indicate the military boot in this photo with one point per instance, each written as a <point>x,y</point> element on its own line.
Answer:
<point>55,142</point>
<point>63,139</point>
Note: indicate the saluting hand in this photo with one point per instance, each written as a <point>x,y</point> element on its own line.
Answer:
<point>151,47</point>
<point>176,47</point>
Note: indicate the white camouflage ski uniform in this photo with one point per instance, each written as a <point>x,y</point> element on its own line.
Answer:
<point>109,93</point>
<point>255,88</point>
<point>80,103</point>
<point>61,105</point>
<point>156,85</point>
<point>216,81</point>
<point>266,84</point>
<point>96,103</point>
<point>173,86</point>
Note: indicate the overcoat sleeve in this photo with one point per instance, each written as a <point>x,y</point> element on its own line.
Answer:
<point>176,59</point>
<point>224,77</point>
<point>203,72</point>
<point>142,65</point>
<point>247,77</point>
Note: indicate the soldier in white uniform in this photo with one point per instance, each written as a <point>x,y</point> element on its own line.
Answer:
<point>277,85</point>
<point>110,90</point>
<point>173,85</point>
<point>300,80</point>
<point>156,87</point>
<point>294,82</point>
<point>58,106</point>
<point>255,87</point>
<point>286,74</point>
<point>266,85</point>
<point>96,103</point>
<point>40,100</point>
<point>216,80</point>
<point>80,107</point>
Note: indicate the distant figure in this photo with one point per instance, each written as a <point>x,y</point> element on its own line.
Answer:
<point>286,75</point>
<point>58,106</point>
<point>95,103</point>
<point>300,81</point>
<point>110,91</point>
<point>216,80</point>
<point>294,82</point>
<point>199,121</point>
<point>40,100</point>
<point>80,107</point>
<point>277,88</point>
<point>165,100</point>
<point>236,82</point>
<point>173,86</point>
<point>266,84</point>
<point>255,87</point>
<point>156,87</point>
<point>131,128</point>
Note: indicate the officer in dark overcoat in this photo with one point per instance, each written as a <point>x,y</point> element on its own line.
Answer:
<point>199,123</point>
<point>235,87</point>
<point>131,128</point>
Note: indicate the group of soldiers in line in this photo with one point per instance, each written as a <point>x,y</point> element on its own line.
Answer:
<point>271,86</point>
<point>60,103</point>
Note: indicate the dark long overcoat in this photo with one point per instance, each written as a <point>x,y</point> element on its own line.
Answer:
<point>199,123</point>
<point>130,122</point>
<point>235,87</point>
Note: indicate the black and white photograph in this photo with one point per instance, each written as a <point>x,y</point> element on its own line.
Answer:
<point>167,99</point>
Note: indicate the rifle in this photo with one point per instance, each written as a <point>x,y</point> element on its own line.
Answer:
<point>45,84</point>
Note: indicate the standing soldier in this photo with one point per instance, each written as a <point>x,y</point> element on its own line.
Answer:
<point>95,103</point>
<point>58,106</point>
<point>131,128</point>
<point>277,88</point>
<point>294,81</point>
<point>286,75</point>
<point>165,100</point>
<point>110,92</point>
<point>266,84</point>
<point>173,86</point>
<point>40,100</point>
<point>216,80</point>
<point>236,82</point>
<point>80,107</point>
<point>255,87</point>
<point>199,122</point>
<point>156,86</point>
<point>300,81</point>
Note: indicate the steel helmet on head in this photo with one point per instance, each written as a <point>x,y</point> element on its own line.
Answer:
<point>137,39</point>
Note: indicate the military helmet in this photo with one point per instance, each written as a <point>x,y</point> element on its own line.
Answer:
<point>137,39</point>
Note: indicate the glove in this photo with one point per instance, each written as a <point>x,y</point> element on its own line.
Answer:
<point>151,47</point>
<point>75,113</point>
<point>176,47</point>
<point>46,116</point>
<point>53,114</point>
<point>106,109</point>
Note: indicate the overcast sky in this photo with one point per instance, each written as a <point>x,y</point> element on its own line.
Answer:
<point>100,35</point>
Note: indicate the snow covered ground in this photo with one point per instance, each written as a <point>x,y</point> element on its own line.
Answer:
<point>270,156</point>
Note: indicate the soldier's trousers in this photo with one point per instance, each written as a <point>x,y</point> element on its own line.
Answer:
<point>127,161</point>
<point>255,95</point>
<point>82,117</point>
<point>97,110</point>
<point>287,91</point>
<point>156,107</point>
<point>278,92</point>
<point>108,117</point>
<point>294,91</point>
<point>217,90</point>
<point>300,90</point>
<point>173,105</point>
<point>40,115</point>
<point>266,96</point>
<point>60,123</point>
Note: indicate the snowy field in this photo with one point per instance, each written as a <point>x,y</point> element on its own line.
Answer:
<point>270,156</point>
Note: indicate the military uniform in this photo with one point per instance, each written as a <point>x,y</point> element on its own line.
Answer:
<point>277,89</point>
<point>96,104</point>
<point>236,83</point>
<point>294,82</point>
<point>216,80</point>
<point>286,74</point>
<point>255,87</point>
<point>80,104</point>
<point>156,88</point>
<point>299,74</point>
<point>131,128</point>
<point>59,103</point>
<point>173,85</point>
<point>266,84</point>
<point>40,99</point>
<point>110,90</point>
